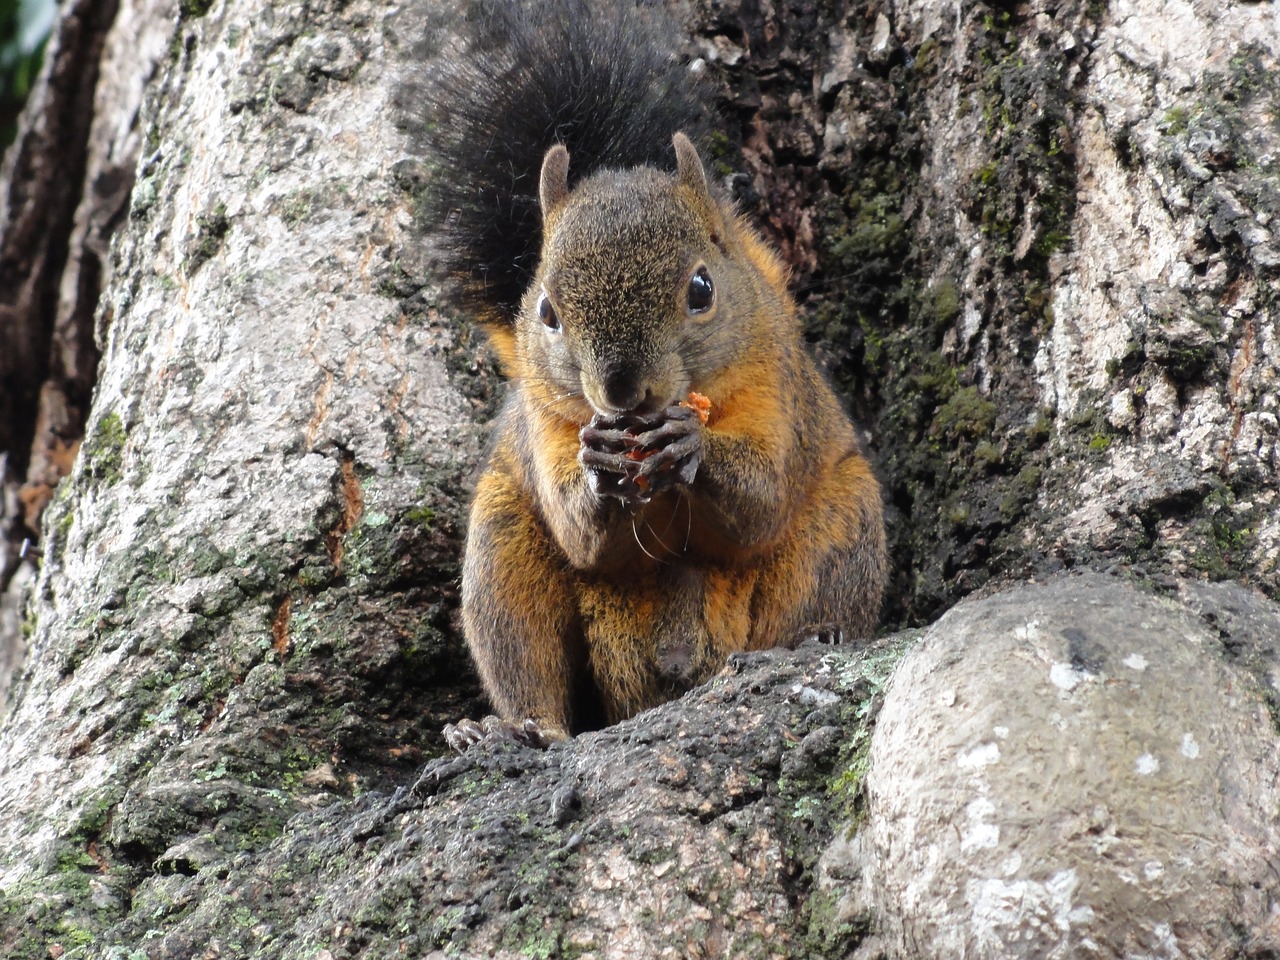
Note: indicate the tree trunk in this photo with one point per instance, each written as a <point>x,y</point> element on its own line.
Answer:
<point>249,578</point>
<point>1051,245</point>
<point>1035,248</point>
<point>66,181</point>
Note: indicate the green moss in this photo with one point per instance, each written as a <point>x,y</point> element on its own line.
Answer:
<point>1050,242</point>
<point>1041,429</point>
<point>926,61</point>
<point>873,673</point>
<point>720,146</point>
<point>64,520</point>
<point>828,932</point>
<point>934,378</point>
<point>442,928</point>
<point>1021,492</point>
<point>69,905</point>
<point>966,415</point>
<point>104,450</point>
<point>950,457</point>
<point>1175,120</point>
<point>366,553</point>
<point>298,762</point>
<point>537,931</point>
<point>29,621</point>
<point>296,208</point>
<point>95,815</point>
<point>205,560</point>
<point>478,783</point>
<point>941,304</point>
<point>211,230</point>
<point>422,516</point>
<point>861,677</point>
<point>1272,698</point>
<point>315,574</point>
<point>193,9</point>
<point>1187,363</point>
<point>1219,542</point>
<point>395,281</point>
<point>875,229</point>
<point>1028,180</point>
<point>987,452</point>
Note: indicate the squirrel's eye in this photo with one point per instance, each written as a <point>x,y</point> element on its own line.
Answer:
<point>701,293</point>
<point>547,313</point>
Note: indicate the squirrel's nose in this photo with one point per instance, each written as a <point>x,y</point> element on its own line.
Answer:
<point>625,391</point>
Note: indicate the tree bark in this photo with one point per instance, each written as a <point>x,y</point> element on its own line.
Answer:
<point>1052,285</point>
<point>1035,248</point>
<point>249,578</point>
<point>53,230</point>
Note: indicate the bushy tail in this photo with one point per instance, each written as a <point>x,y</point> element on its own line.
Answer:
<point>602,78</point>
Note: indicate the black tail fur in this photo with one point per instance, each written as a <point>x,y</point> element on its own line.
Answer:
<point>604,79</point>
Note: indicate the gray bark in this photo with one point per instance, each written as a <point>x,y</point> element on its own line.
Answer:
<point>1073,366</point>
<point>1035,248</point>
<point>248,579</point>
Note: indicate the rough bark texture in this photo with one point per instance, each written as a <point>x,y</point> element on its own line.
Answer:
<point>1048,276</point>
<point>1035,247</point>
<point>40,197</point>
<point>684,833</point>
<point>49,284</point>
<point>249,578</point>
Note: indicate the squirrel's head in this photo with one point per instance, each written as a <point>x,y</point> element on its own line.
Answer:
<point>642,287</point>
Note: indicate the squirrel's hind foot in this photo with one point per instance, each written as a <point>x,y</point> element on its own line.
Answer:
<point>826,634</point>
<point>465,734</point>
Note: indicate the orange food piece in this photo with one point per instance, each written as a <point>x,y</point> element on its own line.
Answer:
<point>640,453</point>
<point>699,405</point>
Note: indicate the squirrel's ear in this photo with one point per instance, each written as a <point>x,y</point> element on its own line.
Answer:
<point>689,165</point>
<point>553,186</point>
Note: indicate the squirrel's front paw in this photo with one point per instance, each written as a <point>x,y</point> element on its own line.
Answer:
<point>635,457</point>
<point>605,442</point>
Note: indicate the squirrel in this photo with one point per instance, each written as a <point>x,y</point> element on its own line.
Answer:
<point>619,547</point>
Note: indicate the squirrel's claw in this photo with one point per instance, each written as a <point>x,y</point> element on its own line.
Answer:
<point>465,734</point>
<point>675,463</point>
<point>675,443</point>
<point>634,456</point>
<point>606,471</point>
<point>823,633</point>
<point>599,438</point>
<point>603,455</point>
<point>673,424</point>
